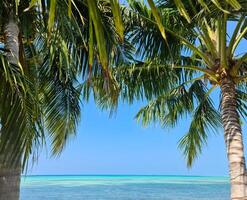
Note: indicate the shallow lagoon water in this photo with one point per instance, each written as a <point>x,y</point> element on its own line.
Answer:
<point>124,188</point>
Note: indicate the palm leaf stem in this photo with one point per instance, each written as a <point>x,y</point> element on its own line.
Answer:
<point>238,39</point>
<point>196,68</point>
<point>234,35</point>
<point>223,34</point>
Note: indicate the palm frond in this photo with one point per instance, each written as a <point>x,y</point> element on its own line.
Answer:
<point>180,102</point>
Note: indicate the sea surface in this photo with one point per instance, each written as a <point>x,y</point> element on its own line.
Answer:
<point>124,188</point>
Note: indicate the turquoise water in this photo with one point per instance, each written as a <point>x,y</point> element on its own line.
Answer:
<point>124,188</point>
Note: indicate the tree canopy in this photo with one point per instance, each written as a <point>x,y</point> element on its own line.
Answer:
<point>183,51</point>
<point>60,48</point>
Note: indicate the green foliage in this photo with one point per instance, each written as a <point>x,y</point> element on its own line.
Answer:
<point>40,98</point>
<point>184,52</point>
<point>200,27</point>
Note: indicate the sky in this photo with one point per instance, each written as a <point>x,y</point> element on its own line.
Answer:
<point>119,145</point>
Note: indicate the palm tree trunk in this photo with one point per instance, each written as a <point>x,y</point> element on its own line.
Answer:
<point>233,140</point>
<point>10,174</point>
<point>10,182</point>
<point>11,33</point>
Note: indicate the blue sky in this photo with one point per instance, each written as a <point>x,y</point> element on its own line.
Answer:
<point>119,145</point>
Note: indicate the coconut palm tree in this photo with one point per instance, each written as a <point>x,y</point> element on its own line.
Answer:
<point>26,102</point>
<point>47,49</point>
<point>186,52</point>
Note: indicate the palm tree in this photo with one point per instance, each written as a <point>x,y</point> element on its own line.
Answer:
<point>34,92</point>
<point>47,48</point>
<point>186,52</point>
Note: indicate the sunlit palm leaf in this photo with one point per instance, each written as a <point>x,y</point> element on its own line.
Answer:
<point>95,16</point>
<point>117,18</point>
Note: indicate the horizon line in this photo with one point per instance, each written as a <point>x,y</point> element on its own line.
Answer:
<point>121,175</point>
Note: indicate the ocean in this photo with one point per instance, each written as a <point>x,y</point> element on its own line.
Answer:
<point>124,188</point>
